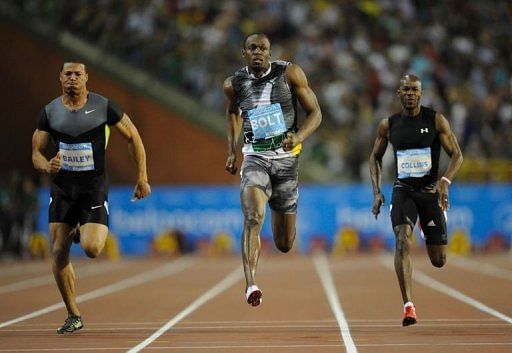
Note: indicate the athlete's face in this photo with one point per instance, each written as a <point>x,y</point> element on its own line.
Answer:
<point>73,78</point>
<point>409,93</point>
<point>257,53</point>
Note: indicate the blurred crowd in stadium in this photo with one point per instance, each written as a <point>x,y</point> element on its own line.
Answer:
<point>352,51</point>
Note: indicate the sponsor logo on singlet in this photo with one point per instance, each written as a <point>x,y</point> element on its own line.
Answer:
<point>414,163</point>
<point>267,121</point>
<point>76,157</point>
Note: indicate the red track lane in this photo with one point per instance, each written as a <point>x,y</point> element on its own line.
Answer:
<point>295,315</point>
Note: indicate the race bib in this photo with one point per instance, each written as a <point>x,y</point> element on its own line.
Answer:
<point>413,163</point>
<point>267,121</point>
<point>76,157</point>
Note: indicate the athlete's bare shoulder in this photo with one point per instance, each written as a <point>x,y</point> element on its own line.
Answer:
<point>228,86</point>
<point>383,128</point>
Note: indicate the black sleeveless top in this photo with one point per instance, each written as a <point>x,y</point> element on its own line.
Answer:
<point>416,148</point>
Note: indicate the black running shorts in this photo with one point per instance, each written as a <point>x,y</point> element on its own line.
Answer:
<point>408,204</point>
<point>80,203</point>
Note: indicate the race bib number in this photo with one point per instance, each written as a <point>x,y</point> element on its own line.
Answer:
<point>414,163</point>
<point>76,157</point>
<point>267,121</point>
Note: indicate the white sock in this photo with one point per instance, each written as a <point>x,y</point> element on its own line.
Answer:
<point>408,304</point>
<point>251,289</point>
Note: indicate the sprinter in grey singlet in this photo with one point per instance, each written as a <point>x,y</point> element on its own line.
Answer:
<point>416,133</point>
<point>262,100</point>
<point>78,123</point>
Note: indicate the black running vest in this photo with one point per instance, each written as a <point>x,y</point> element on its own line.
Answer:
<point>416,147</point>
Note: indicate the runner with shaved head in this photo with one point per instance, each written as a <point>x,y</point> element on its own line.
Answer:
<point>417,134</point>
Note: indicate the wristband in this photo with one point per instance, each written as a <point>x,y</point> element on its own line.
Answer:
<point>446,179</point>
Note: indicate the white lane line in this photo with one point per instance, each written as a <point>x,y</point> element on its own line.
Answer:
<point>322,268</point>
<point>284,346</point>
<point>49,279</point>
<point>141,278</point>
<point>482,267</point>
<point>220,287</point>
<point>452,292</point>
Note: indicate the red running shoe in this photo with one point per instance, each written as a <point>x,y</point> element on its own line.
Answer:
<point>409,316</point>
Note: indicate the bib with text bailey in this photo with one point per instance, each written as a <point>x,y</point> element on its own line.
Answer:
<point>76,157</point>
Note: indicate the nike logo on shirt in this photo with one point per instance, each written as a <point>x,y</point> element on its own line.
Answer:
<point>89,111</point>
<point>93,207</point>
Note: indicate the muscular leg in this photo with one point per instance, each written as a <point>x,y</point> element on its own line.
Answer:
<point>283,229</point>
<point>437,254</point>
<point>403,265</point>
<point>253,206</point>
<point>62,267</point>
<point>92,238</point>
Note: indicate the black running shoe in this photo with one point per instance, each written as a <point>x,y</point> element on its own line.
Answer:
<point>72,324</point>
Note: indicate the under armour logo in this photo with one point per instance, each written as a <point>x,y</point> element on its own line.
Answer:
<point>425,130</point>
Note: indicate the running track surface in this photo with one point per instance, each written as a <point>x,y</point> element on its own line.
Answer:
<point>311,304</point>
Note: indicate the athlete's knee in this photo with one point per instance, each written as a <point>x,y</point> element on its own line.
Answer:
<point>284,248</point>
<point>284,245</point>
<point>60,256</point>
<point>402,245</point>
<point>403,240</point>
<point>92,250</point>
<point>438,261</point>
<point>253,218</point>
<point>284,241</point>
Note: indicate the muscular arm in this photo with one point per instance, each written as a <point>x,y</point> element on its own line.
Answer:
<point>138,154</point>
<point>378,151</point>
<point>452,148</point>
<point>450,145</point>
<point>233,125</point>
<point>40,141</point>
<point>307,99</point>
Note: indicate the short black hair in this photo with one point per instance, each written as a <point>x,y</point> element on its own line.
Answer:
<point>255,34</point>
<point>75,62</point>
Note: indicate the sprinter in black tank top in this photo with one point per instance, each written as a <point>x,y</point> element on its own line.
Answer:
<point>78,123</point>
<point>416,134</point>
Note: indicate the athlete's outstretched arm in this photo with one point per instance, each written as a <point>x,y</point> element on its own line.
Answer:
<point>40,141</point>
<point>233,125</point>
<point>138,153</point>
<point>378,151</point>
<point>452,148</point>
<point>298,82</point>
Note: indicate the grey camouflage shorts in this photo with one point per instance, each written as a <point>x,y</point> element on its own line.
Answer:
<point>278,178</point>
